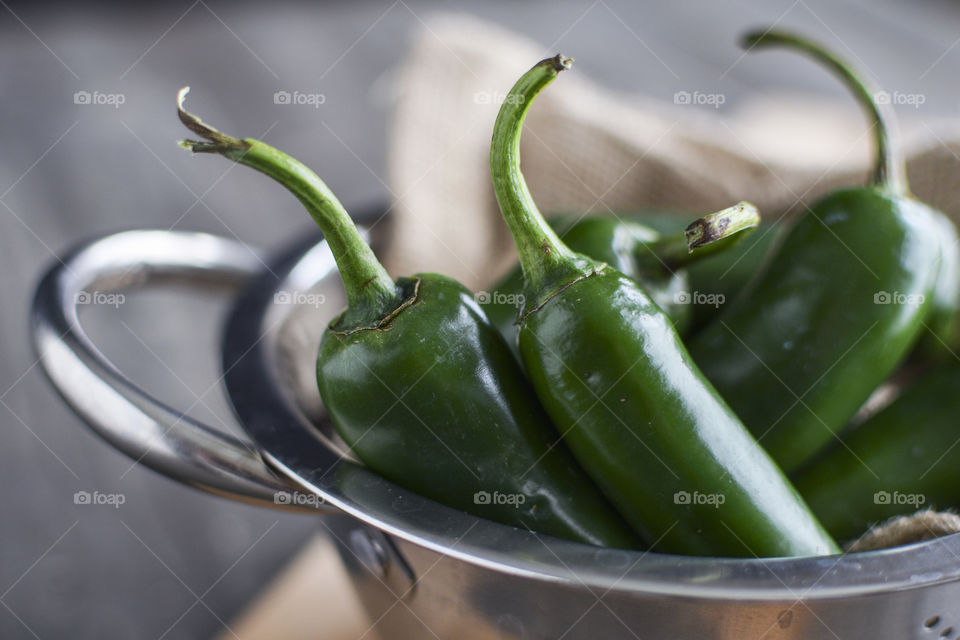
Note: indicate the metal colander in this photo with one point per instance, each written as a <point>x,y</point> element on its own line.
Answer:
<point>421,569</point>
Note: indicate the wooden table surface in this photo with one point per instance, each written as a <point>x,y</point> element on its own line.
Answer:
<point>170,562</point>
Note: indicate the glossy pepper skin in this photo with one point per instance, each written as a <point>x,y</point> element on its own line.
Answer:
<point>715,278</point>
<point>899,460</point>
<point>942,337</point>
<point>722,277</point>
<point>655,261</point>
<point>836,309</point>
<point>434,400</point>
<point>613,375</point>
<point>423,388</point>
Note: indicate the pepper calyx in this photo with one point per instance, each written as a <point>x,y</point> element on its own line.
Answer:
<point>566,285</point>
<point>383,324</point>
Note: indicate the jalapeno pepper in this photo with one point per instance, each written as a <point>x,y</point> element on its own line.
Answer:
<point>836,309</point>
<point>942,337</point>
<point>655,261</point>
<point>613,375</point>
<point>901,459</point>
<point>724,276</point>
<point>714,279</point>
<point>422,387</point>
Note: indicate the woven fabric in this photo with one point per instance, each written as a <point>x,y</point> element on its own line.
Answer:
<point>922,525</point>
<point>587,149</point>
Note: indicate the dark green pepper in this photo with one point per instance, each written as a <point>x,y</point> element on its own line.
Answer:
<point>615,378</point>
<point>836,309</point>
<point>901,459</point>
<point>942,337</point>
<point>722,277</point>
<point>717,278</point>
<point>656,261</point>
<point>423,388</point>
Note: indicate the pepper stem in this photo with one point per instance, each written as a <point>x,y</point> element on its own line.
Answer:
<point>704,237</point>
<point>717,231</point>
<point>371,293</point>
<point>889,171</point>
<point>545,260</point>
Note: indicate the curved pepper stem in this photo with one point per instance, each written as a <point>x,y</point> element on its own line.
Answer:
<point>371,293</point>
<point>706,236</point>
<point>544,258</point>
<point>889,171</point>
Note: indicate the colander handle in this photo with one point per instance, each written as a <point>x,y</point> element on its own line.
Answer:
<point>142,427</point>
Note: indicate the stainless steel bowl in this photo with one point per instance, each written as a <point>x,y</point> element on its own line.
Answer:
<point>421,569</point>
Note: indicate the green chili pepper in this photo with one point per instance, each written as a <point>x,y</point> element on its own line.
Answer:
<point>943,334</point>
<point>899,460</point>
<point>423,388</point>
<point>721,278</point>
<point>613,375</point>
<point>836,309</point>
<point>655,261</point>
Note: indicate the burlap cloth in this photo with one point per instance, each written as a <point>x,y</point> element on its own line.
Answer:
<point>587,149</point>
